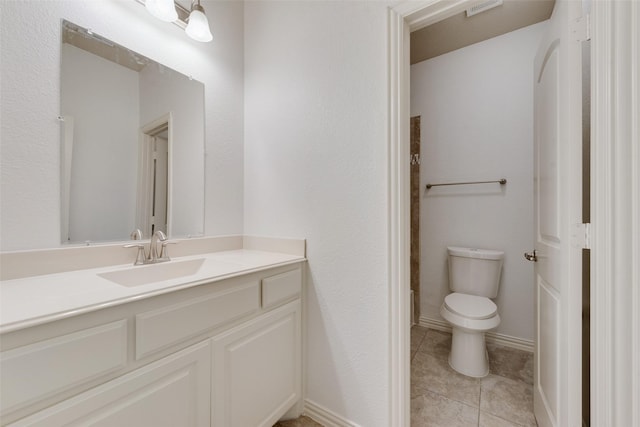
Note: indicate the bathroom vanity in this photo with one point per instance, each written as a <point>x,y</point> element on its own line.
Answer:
<point>118,346</point>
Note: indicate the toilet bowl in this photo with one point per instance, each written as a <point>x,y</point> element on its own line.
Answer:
<point>470,317</point>
<point>474,276</point>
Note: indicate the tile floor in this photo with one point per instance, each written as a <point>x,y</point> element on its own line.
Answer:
<point>442,397</point>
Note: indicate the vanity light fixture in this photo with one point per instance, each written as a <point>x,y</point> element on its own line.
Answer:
<point>164,10</point>
<point>194,21</point>
<point>198,26</point>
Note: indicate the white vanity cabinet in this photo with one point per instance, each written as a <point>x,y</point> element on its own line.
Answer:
<point>174,391</point>
<point>256,370</point>
<point>223,354</point>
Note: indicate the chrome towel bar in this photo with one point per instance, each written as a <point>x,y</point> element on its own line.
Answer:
<point>501,181</point>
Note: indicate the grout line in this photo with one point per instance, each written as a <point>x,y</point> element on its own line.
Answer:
<point>504,419</point>
<point>448,398</point>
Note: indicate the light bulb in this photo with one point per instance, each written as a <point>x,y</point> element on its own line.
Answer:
<point>165,10</point>
<point>198,27</point>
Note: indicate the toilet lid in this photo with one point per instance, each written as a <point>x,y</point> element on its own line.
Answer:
<point>470,306</point>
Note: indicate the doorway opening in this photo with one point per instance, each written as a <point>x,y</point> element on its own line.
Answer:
<point>426,309</point>
<point>154,178</point>
<point>610,176</point>
<point>408,20</point>
<point>476,114</point>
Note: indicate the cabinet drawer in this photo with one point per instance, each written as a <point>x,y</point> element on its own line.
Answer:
<point>281,287</point>
<point>171,324</point>
<point>37,371</point>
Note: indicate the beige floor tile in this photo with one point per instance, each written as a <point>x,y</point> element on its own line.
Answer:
<point>417,335</point>
<point>433,410</point>
<point>432,374</point>
<point>298,422</point>
<point>508,399</point>
<point>436,343</point>
<point>488,420</point>
<point>419,329</point>
<point>511,363</point>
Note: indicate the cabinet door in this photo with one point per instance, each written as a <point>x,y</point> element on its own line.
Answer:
<point>257,369</point>
<point>174,391</point>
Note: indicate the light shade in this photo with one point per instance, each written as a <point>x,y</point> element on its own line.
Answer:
<point>198,27</point>
<point>165,10</point>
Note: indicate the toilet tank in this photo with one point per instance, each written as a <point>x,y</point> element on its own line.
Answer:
<point>475,271</point>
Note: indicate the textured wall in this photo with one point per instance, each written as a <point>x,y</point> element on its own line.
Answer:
<point>30,86</point>
<point>476,106</point>
<point>316,157</point>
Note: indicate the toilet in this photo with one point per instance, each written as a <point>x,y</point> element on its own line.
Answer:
<point>474,277</point>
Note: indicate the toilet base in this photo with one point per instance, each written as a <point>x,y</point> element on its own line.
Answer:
<point>469,353</point>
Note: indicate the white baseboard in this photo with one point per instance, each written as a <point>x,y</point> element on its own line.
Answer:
<point>324,416</point>
<point>437,324</point>
<point>491,337</point>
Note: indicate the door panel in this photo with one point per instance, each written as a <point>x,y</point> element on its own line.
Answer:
<point>548,239</point>
<point>548,152</point>
<point>160,183</point>
<point>557,204</point>
<point>256,370</point>
<point>548,355</point>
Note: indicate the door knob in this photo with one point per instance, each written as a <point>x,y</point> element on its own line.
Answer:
<point>531,256</point>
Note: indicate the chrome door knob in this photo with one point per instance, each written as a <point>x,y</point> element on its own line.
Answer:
<point>531,256</point>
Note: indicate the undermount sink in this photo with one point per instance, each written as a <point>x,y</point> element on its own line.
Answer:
<point>146,274</point>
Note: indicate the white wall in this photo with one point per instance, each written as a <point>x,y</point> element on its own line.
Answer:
<point>30,93</point>
<point>102,97</point>
<point>316,165</point>
<point>476,108</point>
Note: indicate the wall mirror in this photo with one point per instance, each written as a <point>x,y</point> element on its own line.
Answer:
<point>132,143</point>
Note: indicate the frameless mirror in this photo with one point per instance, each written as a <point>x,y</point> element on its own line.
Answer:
<point>132,143</point>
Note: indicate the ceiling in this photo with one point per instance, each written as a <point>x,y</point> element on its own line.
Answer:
<point>459,31</point>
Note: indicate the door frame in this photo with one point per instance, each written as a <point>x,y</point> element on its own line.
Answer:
<point>615,213</point>
<point>615,205</point>
<point>402,19</point>
<point>143,196</point>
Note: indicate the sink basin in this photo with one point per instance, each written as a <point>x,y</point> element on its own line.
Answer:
<point>146,274</point>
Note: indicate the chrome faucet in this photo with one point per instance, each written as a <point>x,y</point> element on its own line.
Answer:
<point>153,247</point>
<point>152,256</point>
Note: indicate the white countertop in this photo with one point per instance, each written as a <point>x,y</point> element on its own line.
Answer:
<point>35,300</point>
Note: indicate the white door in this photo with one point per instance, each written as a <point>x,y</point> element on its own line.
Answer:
<point>160,182</point>
<point>153,178</point>
<point>557,193</point>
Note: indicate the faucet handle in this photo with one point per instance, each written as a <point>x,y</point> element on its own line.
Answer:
<point>140,256</point>
<point>136,234</point>
<point>157,236</point>
<point>164,255</point>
